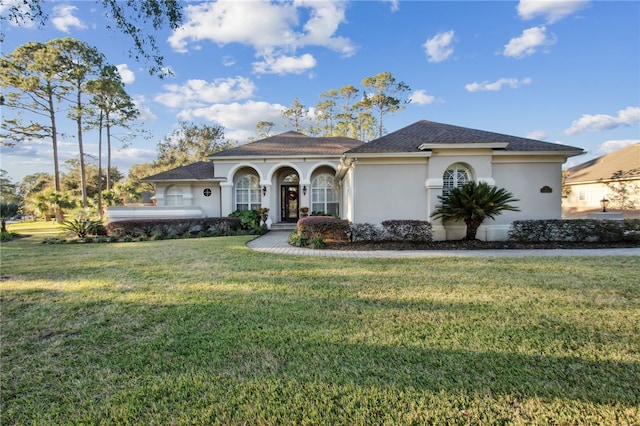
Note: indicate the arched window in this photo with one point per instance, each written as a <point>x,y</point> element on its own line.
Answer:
<point>324,196</point>
<point>454,177</point>
<point>248,193</point>
<point>173,196</point>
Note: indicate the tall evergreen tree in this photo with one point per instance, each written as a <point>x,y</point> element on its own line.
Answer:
<point>80,63</point>
<point>383,94</point>
<point>32,75</point>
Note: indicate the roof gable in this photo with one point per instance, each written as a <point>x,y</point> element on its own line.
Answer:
<point>411,138</point>
<point>201,170</point>
<point>604,167</point>
<point>291,144</point>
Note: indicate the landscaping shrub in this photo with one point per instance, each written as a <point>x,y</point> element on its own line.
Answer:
<point>249,220</point>
<point>330,228</point>
<point>297,240</point>
<point>392,230</point>
<point>407,230</point>
<point>7,236</point>
<point>150,227</point>
<point>575,230</point>
<point>82,227</point>
<point>317,242</point>
<point>366,232</point>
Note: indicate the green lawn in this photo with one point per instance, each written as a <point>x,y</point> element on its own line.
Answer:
<point>205,331</point>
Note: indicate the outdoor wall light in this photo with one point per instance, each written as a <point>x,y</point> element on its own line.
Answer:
<point>304,190</point>
<point>604,203</point>
<point>264,190</point>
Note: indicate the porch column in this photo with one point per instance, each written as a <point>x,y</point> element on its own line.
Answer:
<point>226,198</point>
<point>267,201</point>
<point>304,197</point>
<point>434,188</point>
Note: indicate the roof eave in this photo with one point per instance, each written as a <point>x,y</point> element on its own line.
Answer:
<point>273,157</point>
<point>401,154</point>
<point>565,153</point>
<point>215,179</point>
<point>491,145</point>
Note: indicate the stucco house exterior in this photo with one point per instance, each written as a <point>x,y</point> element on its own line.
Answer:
<point>398,176</point>
<point>588,181</point>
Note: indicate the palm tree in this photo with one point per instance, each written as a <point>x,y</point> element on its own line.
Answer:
<point>472,203</point>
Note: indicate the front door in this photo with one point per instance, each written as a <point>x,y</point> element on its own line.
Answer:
<point>289,203</point>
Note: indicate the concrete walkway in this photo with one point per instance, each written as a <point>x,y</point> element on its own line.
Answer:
<point>276,242</point>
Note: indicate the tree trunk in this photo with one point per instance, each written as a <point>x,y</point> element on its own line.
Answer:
<point>100,167</point>
<point>472,228</point>
<point>83,173</point>
<point>54,141</point>
<point>108,126</point>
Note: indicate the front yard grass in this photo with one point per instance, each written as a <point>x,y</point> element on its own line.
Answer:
<point>205,331</point>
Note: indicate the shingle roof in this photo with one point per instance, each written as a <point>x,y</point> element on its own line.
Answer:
<point>602,168</point>
<point>201,170</point>
<point>409,138</point>
<point>291,143</point>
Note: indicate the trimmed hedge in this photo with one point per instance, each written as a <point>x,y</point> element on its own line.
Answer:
<point>167,227</point>
<point>592,230</point>
<point>393,230</point>
<point>407,230</point>
<point>329,228</point>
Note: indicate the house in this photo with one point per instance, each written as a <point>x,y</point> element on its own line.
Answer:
<point>398,176</point>
<point>594,180</point>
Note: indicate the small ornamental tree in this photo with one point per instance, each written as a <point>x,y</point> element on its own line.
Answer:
<point>472,203</point>
<point>7,211</point>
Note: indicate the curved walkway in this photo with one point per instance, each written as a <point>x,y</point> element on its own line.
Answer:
<point>276,242</point>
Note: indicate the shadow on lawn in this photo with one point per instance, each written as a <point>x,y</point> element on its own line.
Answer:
<point>264,338</point>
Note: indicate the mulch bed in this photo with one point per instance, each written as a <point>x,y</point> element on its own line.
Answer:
<point>476,245</point>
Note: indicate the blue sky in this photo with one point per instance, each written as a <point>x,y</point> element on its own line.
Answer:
<point>559,71</point>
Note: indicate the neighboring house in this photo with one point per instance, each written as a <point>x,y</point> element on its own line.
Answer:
<point>398,176</point>
<point>596,179</point>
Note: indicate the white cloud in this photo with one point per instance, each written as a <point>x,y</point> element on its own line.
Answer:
<point>238,119</point>
<point>495,86</point>
<point>528,43</point>
<point>272,29</point>
<point>64,19</point>
<point>126,74</point>
<point>553,10</point>
<point>197,93</point>
<point>539,135</point>
<point>420,97</point>
<point>133,155</point>
<point>145,112</point>
<point>593,123</point>
<point>614,145</point>
<point>395,5</point>
<point>438,47</point>
<point>285,65</point>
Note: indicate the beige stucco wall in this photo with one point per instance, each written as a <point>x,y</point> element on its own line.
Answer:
<point>192,195</point>
<point>525,181</point>
<point>393,190</point>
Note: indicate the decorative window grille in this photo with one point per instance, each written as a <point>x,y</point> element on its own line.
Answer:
<point>324,195</point>
<point>454,177</point>
<point>248,195</point>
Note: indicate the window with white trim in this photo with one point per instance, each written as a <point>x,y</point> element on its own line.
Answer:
<point>173,197</point>
<point>248,195</point>
<point>324,195</point>
<point>454,177</point>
